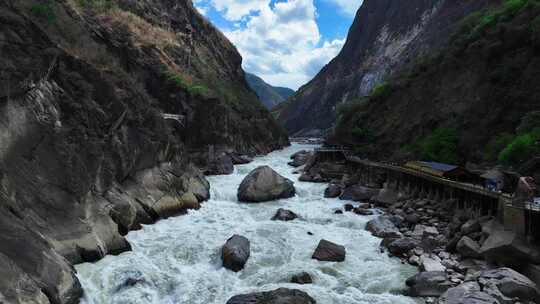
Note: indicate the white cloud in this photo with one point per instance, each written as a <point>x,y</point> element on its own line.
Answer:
<point>348,7</point>
<point>234,10</point>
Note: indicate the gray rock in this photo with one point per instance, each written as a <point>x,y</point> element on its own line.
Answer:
<point>362,211</point>
<point>358,193</point>
<point>278,296</point>
<point>284,215</point>
<point>264,184</point>
<point>507,248</point>
<point>383,226</point>
<point>466,293</point>
<point>468,248</point>
<point>300,158</point>
<point>332,191</point>
<point>239,159</point>
<point>412,218</point>
<point>386,197</point>
<point>431,263</point>
<point>235,253</point>
<point>401,246</point>
<point>328,251</point>
<point>470,226</point>
<point>428,284</point>
<point>506,284</point>
<point>302,278</point>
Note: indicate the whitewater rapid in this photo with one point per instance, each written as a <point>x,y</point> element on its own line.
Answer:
<point>177,260</point>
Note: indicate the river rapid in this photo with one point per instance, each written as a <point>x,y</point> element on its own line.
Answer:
<point>178,260</point>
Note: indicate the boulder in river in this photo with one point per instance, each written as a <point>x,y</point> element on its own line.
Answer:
<point>264,184</point>
<point>235,253</point>
<point>284,215</point>
<point>302,278</point>
<point>278,296</point>
<point>332,191</point>
<point>383,226</point>
<point>330,252</point>
<point>401,246</point>
<point>238,159</point>
<point>300,158</point>
<point>358,193</point>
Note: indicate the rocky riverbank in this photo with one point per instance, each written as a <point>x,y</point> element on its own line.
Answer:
<point>460,256</point>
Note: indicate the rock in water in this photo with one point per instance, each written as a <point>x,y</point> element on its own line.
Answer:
<point>235,253</point>
<point>278,296</point>
<point>284,215</point>
<point>401,246</point>
<point>264,184</point>
<point>302,278</point>
<point>238,159</point>
<point>330,252</point>
<point>332,191</point>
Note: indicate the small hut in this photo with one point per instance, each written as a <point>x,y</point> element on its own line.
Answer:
<point>494,180</point>
<point>442,170</point>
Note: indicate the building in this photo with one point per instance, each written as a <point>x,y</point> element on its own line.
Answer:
<point>451,172</point>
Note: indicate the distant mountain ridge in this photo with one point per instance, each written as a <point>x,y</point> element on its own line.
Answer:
<point>269,95</point>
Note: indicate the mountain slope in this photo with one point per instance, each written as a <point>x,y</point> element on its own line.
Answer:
<point>105,106</point>
<point>476,100</point>
<point>385,37</point>
<point>269,95</point>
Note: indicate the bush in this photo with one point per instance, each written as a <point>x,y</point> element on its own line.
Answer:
<point>199,90</point>
<point>521,149</point>
<point>44,11</point>
<point>176,80</point>
<point>363,134</point>
<point>440,146</point>
<point>381,90</point>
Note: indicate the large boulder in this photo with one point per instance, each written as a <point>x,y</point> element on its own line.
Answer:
<point>468,248</point>
<point>222,165</point>
<point>358,193</point>
<point>238,159</point>
<point>466,293</point>
<point>506,284</point>
<point>386,197</point>
<point>401,246</point>
<point>278,296</point>
<point>264,184</point>
<point>507,248</point>
<point>431,263</point>
<point>235,253</point>
<point>300,158</point>
<point>383,227</point>
<point>284,215</point>
<point>330,252</point>
<point>428,284</point>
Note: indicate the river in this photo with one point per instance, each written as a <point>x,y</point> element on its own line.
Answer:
<point>177,260</point>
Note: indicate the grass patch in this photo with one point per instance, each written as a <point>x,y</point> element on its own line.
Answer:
<point>381,90</point>
<point>97,5</point>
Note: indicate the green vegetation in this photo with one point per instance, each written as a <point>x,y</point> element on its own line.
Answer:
<point>180,83</point>
<point>440,146</point>
<point>97,5</point>
<point>521,148</point>
<point>44,10</point>
<point>474,25</point>
<point>363,134</point>
<point>381,90</point>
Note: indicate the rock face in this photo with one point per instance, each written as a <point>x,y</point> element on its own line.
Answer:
<point>278,296</point>
<point>102,121</point>
<point>385,36</point>
<point>264,184</point>
<point>284,215</point>
<point>330,252</point>
<point>235,253</point>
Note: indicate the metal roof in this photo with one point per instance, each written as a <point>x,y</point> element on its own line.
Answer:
<point>439,166</point>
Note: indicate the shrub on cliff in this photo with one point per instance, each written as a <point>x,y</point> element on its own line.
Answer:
<point>521,149</point>
<point>440,146</point>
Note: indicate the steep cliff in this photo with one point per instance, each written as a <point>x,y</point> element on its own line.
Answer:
<point>269,95</point>
<point>104,105</point>
<point>476,100</point>
<point>386,37</point>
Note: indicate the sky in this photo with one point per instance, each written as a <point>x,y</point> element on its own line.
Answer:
<point>285,42</point>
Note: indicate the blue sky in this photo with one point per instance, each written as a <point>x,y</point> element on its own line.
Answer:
<point>286,42</point>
